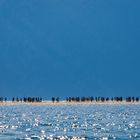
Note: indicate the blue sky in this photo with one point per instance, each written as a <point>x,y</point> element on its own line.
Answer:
<point>69,48</point>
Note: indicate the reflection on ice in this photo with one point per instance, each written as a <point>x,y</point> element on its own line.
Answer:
<point>69,122</point>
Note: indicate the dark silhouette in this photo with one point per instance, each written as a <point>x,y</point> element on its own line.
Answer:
<point>57,99</point>
<point>53,99</point>
<point>5,99</point>
<point>137,99</point>
<point>74,99</point>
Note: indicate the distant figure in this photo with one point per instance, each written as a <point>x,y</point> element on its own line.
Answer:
<point>57,99</point>
<point>53,99</point>
<point>13,99</point>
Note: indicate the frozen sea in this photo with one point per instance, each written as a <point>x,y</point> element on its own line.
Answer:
<point>69,122</point>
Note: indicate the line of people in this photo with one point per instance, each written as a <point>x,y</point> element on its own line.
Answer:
<point>74,99</point>
<point>24,99</point>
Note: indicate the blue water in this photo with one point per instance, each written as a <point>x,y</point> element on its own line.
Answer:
<point>70,122</point>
